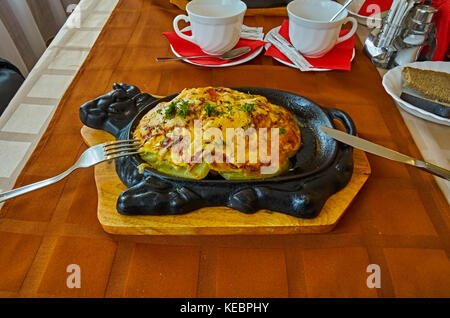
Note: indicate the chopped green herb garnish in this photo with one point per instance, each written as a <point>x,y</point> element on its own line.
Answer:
<point>211,110</point>
<point>183,108</point>
<point>283,131</point>
<point>180,108</point>
<point>248,108</point>
<point>159,111</point>
<point>230,110</point>
<point>250,94</point>
<point>171,110</point>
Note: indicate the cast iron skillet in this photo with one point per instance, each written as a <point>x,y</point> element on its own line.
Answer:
<point>320,168</point>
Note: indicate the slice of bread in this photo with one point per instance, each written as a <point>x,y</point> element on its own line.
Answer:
<point>431,84</point>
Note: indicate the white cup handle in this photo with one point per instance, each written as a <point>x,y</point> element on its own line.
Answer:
<point>352,31</point>
<point>177,30</point>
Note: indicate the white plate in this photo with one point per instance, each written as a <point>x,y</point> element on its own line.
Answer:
<point>248,58</point>
<point>392,82</point>
<point>276,29</point>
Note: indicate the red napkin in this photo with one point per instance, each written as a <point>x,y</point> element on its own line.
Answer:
<point>384,6</point>
<point>339,58</point>
<point>442,21</point>
<point>186,48</point>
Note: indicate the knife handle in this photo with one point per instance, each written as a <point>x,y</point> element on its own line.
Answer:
<point>431,168</point>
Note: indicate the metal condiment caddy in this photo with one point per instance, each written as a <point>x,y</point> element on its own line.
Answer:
<point>406,30</point>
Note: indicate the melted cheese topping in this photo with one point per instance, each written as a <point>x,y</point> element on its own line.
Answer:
<point>163,128</point>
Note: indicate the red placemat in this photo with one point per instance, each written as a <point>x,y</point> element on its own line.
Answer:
<point>367,7</point>
<point>339,58</point>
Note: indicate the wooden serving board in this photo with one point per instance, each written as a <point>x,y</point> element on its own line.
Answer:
<point>215,220</point>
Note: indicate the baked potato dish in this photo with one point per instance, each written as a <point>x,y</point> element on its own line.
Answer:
<point>218,131</point>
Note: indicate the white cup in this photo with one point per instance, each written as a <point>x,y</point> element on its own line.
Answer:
<point>215,24</point>
<point>310,31</point>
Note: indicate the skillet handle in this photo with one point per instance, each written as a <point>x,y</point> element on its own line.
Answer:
<point>115,110</point>
<point>344,118</point>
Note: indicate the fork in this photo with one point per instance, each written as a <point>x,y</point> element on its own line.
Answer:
<point>92,156</point>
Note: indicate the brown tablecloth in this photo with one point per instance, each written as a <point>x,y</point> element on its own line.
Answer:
<point>399,221</point>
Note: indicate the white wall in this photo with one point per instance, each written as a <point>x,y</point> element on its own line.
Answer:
<point>8,50</point>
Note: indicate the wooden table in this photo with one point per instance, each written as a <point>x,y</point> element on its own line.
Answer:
<point>399,221</point>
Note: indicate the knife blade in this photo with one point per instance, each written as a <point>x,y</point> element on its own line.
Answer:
<point>426,104</point>
<point>381,151</point>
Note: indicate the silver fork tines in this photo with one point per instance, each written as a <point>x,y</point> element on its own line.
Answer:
<point>121,148</point>
<point>92,156</point>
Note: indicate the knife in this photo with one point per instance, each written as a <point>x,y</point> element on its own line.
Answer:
<point>378,150</point>
<point>426,104</point>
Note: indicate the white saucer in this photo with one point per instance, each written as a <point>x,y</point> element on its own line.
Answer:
<point>276,29</point>
<point>392,82</point>
<point>248,58</point>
